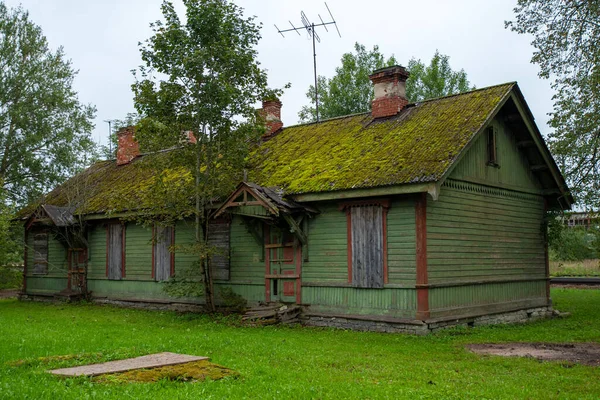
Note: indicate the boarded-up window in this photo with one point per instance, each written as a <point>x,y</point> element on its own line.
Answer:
<point>218,236</point>
<point>163,259</point>
<point>115,251</point>
<point>491,147</point>
<point>40,253</point>
<point>367,243</point>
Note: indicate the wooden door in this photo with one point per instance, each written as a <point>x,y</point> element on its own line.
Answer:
<point>77,279</point>
<point>283,260</point>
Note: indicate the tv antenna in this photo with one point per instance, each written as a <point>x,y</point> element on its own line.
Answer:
<point>309,27</point>
<point>109,121</point>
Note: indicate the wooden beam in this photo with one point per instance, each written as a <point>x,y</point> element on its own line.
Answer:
<point>541,167</point>
<point>422,275</point>
<point>368,192</point>
<point>295,228</point>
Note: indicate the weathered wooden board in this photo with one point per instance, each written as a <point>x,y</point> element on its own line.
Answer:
<point>111,367</point>
<point>162,255</point>
<point>115,251</point>
<point>367,246</point>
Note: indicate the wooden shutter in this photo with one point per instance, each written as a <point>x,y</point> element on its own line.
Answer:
<point>115,252</point>
<point>218,236</point>
<point>367,246</point>
<point>162,256</point>
<point>40,253</point>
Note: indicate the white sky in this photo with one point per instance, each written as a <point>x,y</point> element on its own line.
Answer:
<point>101,38</point>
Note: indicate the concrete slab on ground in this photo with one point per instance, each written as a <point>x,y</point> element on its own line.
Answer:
<point>111,367</point>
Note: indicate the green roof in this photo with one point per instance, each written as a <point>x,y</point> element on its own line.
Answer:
<point>417,145</point>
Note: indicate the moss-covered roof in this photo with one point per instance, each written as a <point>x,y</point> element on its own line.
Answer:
<point>417,145</point>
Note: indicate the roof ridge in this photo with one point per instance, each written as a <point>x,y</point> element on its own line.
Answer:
<point>408,105</point>
<point>463,93</point>
<point>327,119</point>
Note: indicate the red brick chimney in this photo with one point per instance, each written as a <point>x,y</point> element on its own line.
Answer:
<point>271,112</point>
<point>127,147</point>
<point>189,137</point>
<point>390,91</point>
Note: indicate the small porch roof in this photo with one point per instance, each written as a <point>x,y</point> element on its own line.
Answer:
<point>271,199</point>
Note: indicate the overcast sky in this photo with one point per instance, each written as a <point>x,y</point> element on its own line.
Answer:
<point>101,38</point>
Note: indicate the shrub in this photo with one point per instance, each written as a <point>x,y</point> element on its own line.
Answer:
<point>573,244</point>
<point>11,277</point>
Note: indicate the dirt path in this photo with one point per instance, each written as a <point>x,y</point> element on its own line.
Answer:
<point>578,353</point>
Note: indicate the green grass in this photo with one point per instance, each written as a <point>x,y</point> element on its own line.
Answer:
<point>281,362</point>
<point>575,268</point>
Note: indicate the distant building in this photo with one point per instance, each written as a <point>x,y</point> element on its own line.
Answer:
<point>584,219</point>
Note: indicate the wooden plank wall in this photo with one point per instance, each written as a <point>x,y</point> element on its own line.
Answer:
<point>478,234</point>
<point>475,235</point>
<point>247,264</point>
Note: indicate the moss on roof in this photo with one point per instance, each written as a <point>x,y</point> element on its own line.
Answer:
<point>417,145</point>
<point>107,187</point>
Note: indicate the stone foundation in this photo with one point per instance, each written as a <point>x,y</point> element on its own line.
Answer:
<point>425,327</point>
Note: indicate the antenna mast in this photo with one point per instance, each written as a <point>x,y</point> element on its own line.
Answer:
<point>310,29</point>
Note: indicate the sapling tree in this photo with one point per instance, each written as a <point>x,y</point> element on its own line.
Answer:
<point>201,80</point>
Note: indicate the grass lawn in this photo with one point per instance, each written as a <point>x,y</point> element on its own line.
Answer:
<point>281,362</point>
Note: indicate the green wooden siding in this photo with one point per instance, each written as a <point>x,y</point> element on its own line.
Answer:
<point>401,242</point>
<point>97,252</point>
<point>391,302</point>
<point>486,298</point>
<point>44,284</point>
<point>138,252</point>
<point>475,235</point>
<point>483,234</point>
<point>245,256</point>
<point>185,234</point>
<point>513,171</point>
<point>327,246</point>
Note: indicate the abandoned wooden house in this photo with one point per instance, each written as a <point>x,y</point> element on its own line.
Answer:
<point>407,218</point>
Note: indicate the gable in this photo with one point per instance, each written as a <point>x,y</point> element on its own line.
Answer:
<point>513,170</point>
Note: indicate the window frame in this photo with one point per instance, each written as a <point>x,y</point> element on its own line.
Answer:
<point>492,146</point>
<point>385,206</point>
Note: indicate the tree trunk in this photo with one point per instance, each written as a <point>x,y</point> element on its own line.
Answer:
<point>201,237</point>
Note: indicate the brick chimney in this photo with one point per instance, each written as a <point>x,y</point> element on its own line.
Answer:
<point>271,112</point>
<point>390,91</point>
<point>127,147</point>
<point>189,137</point>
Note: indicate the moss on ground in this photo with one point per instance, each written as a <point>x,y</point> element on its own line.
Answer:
<point>188,372</point>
